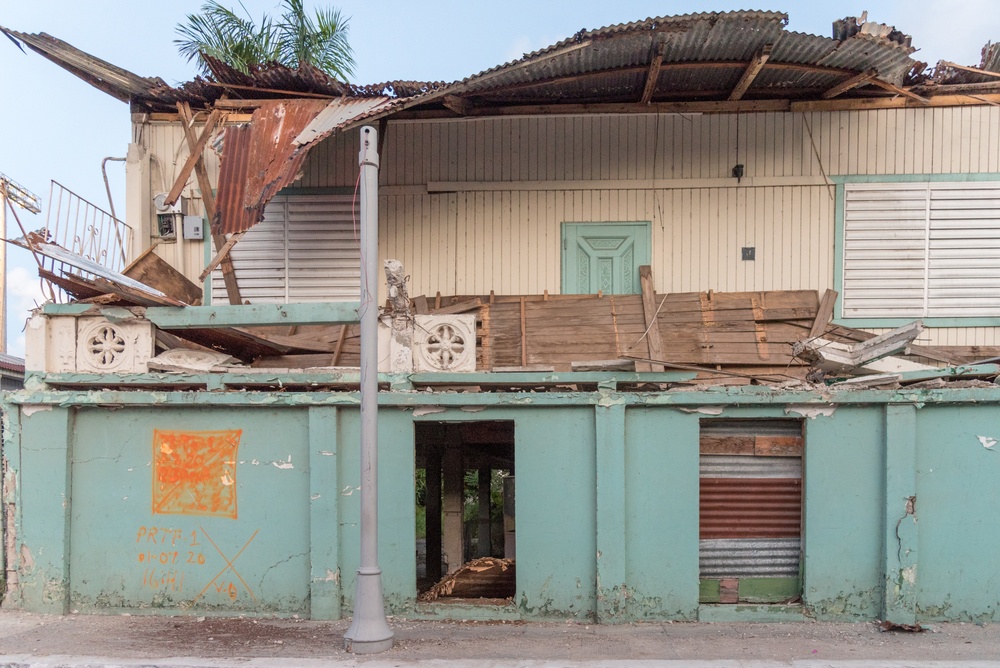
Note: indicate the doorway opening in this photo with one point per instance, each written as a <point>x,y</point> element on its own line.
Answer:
<point>464,487</point>
<point>750,510</point>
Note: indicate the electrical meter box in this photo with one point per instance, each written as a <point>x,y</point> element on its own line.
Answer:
<point>194,227</point>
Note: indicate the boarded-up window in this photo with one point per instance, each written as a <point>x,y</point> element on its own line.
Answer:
<point>750,510</point>
<point>304,250</point>
<point>914,250</point>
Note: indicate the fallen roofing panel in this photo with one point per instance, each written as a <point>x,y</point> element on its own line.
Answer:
<point>339,113</point>
<point>258,160</point>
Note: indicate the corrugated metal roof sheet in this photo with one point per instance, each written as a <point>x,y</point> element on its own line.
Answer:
<point>337,114</point>
<point>258,160</point>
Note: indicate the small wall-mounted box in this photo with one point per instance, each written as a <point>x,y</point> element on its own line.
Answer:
<point>194,227</point>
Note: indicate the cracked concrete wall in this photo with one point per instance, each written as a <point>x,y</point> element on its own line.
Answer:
<point>607,511</point>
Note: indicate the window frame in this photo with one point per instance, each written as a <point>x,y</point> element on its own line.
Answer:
<point>840,183</point>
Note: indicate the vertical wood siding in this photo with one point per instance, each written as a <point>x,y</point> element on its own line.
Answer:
<point>469,239</point>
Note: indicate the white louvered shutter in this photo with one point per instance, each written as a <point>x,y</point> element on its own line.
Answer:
<point>305,250</point>
<point>914,250</point>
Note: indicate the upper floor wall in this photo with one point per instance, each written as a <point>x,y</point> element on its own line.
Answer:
<point>478,204</point>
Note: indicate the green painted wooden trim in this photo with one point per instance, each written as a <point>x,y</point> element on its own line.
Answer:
<point>838,248</point>
<point>744,401</point>
<point>709,590</point>
<point>609,425</point>
<point>189,317</point>
<point>914,178</point>
<point>226,315</point>
<point>329,190</point>
<point>752,590</point>
<point>769,590</point>
<point>324,517</point>
<point>838,252</point>
<point>547,378</point>
<point>900,537</point>
<point>892,323</point>
<point>207,246</point>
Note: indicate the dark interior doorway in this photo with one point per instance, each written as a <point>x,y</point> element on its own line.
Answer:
<point>464,486</point>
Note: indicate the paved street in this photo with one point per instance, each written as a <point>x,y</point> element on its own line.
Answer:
<point>130,640</point>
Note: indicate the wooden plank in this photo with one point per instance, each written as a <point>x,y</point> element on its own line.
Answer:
<point>974,70</point>
<point>338,351</point>
<point>654,344</point>
<point>194,155</point>
<point>778,446</point>
<point>462,307</point>
<point>524,338</point>
<point>652,76</point>
<point>726,445</point>
<point>208,199</point>
<point>420,305</point>
<point>249,315</point>
<point>152,270</point>
<point>220,255</point>
<point>849,83</point>
<point>824,314</point>
<point>754,67</point>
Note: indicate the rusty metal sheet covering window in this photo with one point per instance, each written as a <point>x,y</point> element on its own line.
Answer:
<point>260,159</point>
<point>750,510</point>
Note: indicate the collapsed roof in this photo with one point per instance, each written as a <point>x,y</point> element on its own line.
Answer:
<point>746,56</point>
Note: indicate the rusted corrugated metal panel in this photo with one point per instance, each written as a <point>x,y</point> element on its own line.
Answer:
<point>260,159</point>
<point>750,507</point>
<point>101,74</point>
<point>337,114</point>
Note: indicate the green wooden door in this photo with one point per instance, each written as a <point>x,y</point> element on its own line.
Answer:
<point>603,257</point>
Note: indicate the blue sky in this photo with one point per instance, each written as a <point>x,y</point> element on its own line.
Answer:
<point>55,126</point>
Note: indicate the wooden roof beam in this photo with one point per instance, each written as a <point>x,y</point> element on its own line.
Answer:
<point>974,70</point>
<point>652,76</point>
<point>851,82</point>
<point>751,72</point>
<point>459,105</point>
<point>885,85</point>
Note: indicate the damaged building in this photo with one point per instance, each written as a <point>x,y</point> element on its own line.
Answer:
<point>691,318</point>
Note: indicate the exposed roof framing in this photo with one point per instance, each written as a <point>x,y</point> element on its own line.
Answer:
<point>751,72</point>
<point>652,75</point>
<point>849,83</point>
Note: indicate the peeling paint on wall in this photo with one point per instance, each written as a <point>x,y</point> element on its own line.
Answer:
<point>287,464</point>
<point>705,410</point>
<point>28,411</point>
<point>811,412</point>
<point>987,441</point>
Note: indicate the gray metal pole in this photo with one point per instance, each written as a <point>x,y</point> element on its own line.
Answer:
<point>369,632</point>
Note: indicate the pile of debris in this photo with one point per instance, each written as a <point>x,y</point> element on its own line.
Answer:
<point>484,578</point>
<point>777,338</point>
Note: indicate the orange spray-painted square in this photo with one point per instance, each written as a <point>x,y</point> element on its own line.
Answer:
<point>194,472</point>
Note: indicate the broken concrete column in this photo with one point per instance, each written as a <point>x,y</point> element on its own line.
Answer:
<point>401,322</point>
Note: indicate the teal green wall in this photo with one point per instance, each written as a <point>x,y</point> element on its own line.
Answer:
<point>899,503</point>
<point>958,493</point>
<point>661,511</point>
<point>844,471</point>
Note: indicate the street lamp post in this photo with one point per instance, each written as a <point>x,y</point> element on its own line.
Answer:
<point>369,632</point>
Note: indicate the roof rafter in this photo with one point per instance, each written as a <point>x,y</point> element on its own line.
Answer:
<point>652,75</point>
<point>754,67</point>
<point>851,82</point>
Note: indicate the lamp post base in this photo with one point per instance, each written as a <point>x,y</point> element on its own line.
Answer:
<point>369,632</point>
